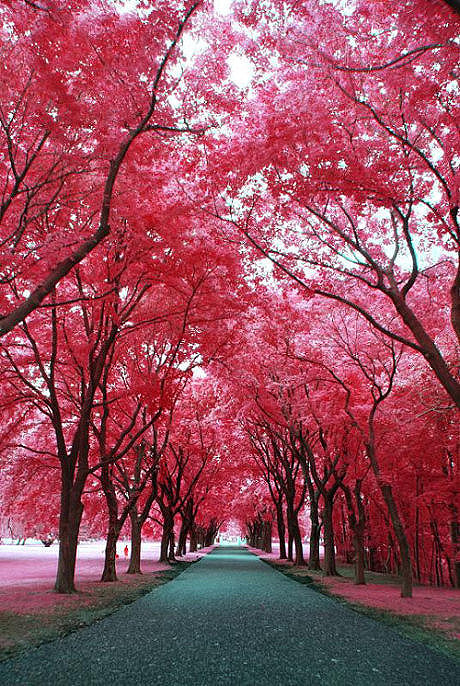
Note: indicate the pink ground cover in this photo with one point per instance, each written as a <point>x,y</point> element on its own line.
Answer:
<point>27,573</point>
<point>439,606</point>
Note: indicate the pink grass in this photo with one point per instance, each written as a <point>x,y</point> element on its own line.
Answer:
<point>27,574</point>
<point>440,607</point>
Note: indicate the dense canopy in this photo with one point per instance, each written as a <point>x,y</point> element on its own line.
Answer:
<point>230,278</point>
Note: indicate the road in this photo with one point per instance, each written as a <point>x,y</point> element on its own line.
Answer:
<point>232,619</point>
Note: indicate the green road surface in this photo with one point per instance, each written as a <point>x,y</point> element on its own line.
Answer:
<point>231,619</point>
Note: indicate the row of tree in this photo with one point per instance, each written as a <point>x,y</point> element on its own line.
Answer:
<point>339,427</point>
<point>293,235</point>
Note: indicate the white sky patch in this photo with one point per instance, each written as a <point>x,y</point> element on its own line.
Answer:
<point>198,373</point>
<point>241,70</point>
<point>222,7</point>
<point>192,47</point>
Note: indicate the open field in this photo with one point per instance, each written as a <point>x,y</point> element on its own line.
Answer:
<point>32,613</point>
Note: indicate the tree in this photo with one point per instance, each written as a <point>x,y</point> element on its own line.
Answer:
<point>56,137</point>
<point>372,209</point>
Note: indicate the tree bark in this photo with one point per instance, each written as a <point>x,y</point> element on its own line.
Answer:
<point>69,526</point>
<point>193,539</point>
<point>404,550</point>
<point>168,530</point>
<point>329,551</point>
<point>313,559</point>
<point>136,543</point>
<point>110,571</point>
<point>281,530</point>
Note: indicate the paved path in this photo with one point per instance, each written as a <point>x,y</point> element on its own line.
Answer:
<point>231,619</point>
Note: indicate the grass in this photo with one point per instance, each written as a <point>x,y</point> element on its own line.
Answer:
<point>96,600</point>
<point>415,627</point>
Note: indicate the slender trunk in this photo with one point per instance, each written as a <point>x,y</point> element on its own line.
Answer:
<point>430,351</point>
<point>387,493</point>
<point>455,538</point>
<point>313,559</point>
<point>171,555</point>
<point>357,524</point>
<point>136,542</point>
<point>281,529</point>
<point>295,538</point>
<point>404,550</point>
<point>417,529</point>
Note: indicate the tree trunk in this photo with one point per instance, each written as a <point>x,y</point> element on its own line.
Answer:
<point>168,528</point>
<point>295,538</point>
<point>357,525</point>
<point>358,544</point>
<point>313,559</point>
<point>417,529</point>
<point>171,545</point>
<point>69,527</point>
<point>164,546</point>
<point>114,525</point>
<point>281,530</point>
<point>110,572</point>
<point>267,536</point>
<point>404,551</point>
<point>182,540</point>
<point>455,538</point>
<point>329,551</point>
<point>136,542</point>
<point>299,558</point>
<point>193,539</point>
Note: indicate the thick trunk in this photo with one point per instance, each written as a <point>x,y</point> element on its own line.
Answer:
<point>164,546</point>
<point>136,542</point>
<point>110,572</point>
<point>193,539</point>
<point>182,540</point>
<point>211,533</point>
<point>168,529</point>
<point>299,558</point>
<point>329,550</point>
<point>290,550</point>
<point>358,544</point>
<point>113,528</point>
<point>267,537</point>
<point>69,527</point>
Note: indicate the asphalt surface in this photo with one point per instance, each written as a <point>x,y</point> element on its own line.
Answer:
<point>231,619</point>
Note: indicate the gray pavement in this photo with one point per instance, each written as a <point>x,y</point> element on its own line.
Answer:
<point>231,619</point>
